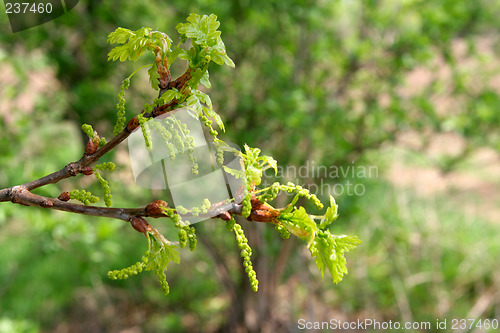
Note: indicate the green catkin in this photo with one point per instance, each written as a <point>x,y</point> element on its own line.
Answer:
<point>189,144</point>
<point>181,210</point>
<point>87,129</point>
<point>83,196</point>
<point>230,224</point>
<point>178,142</point>
<point>102,141</point>
<point>151,261</point>
<point>143,121</point>
<point>175,134</point>
<point>106,166</point>
<point>246,205</point>
<point>205,206</point>
<point>165,135</point>
<point>120,108</point>
<point>176,139</point>
<point>192,158</point>
<point>183,238</point>
<point>126,272</point>
<point>219,153</point>
<point>271,193</point>
<point>285,234</point>
<point>195,211</point>
<point>297,189</point>
<point>162,279</point>
<point>192,239</point>
<point>105,186</point>
<point>187,234</point>
<point>246,252</point>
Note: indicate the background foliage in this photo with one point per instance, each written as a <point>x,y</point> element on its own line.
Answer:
<point>411,87</point>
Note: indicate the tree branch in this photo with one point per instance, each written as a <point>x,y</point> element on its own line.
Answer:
<point>21,194</point>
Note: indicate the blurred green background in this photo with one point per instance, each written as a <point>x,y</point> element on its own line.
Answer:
<point>410,88</point>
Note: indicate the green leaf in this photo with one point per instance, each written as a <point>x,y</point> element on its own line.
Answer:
<point>301,225</point>
<point>121,52</point>
<point>203,98</point>
<point>251,153</point>
<point>144,31</point>
<point>177,53</point>
<point>329,251</point>
<point>153,76</point>
<point>236,173</point>
<point>136,43</point>
<point>202,29</point>
<point>219,121</point>
<point>163,40</point>
<point>120,36</point>
<point>170,254</point>
<point>205,80</point>
<point>330,215</point>
<point>271,163</point>
<point>219,55</point>
<point>194,106</point>
<point>197,76</point>
<point>170,95</point>
<point>290,207</point>
<point>254,174</point>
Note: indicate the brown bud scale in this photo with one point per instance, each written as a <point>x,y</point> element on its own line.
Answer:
<point>64,196</point>
<point>225,216</point>
<point>91,147</point>
<point>264,215</point>
<point>154,208</point>
<point>139,224</point>
<point>87,170</point>
<point>132,124</point>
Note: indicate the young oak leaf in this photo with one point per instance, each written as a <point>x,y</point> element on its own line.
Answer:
<point>330,215</point>
<point>202,29</point>
<point>120,36</point>
<point>218,54</point>
<point>329,251</point>
<point>300,224</point>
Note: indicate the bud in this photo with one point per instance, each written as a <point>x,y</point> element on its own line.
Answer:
<point>139,224</point>
<point>154,208</point>
<point>87,170</point>
<point>91,147</point>
<point>47,203</point>
<point>64,196</point>
<point>225,216</point>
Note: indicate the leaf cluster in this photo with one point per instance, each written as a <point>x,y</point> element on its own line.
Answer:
<point>255,164</point>
<point>136,43</point>
<point>206,38</point>
<point>328,249</point>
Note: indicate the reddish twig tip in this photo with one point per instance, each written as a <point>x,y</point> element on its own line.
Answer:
<point>154,208</point>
